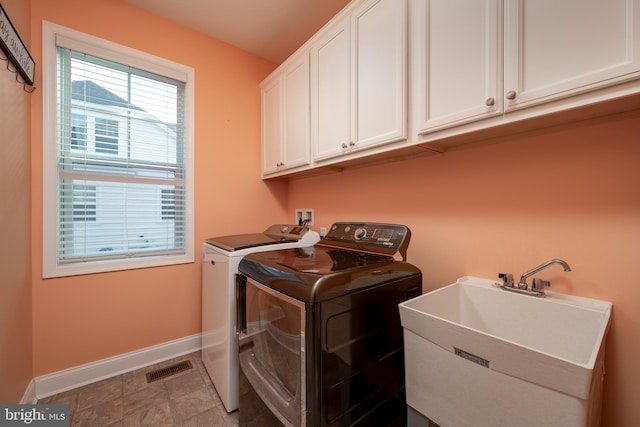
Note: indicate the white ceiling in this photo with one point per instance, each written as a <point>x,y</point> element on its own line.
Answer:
<point>271,29</point>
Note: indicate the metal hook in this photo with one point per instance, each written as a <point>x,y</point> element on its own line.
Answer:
<point>24,84</point>
<point>9,69</point>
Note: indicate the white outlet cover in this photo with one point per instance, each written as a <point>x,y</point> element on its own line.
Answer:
<point>304,214</point>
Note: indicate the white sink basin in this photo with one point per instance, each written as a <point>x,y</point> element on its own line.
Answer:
<point>554,342</point>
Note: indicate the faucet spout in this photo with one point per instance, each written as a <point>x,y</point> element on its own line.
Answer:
<point>523,278</point>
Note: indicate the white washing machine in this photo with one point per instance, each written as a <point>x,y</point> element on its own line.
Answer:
<point>220,259</point>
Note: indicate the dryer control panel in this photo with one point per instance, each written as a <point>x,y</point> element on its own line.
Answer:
<point>370,236</point>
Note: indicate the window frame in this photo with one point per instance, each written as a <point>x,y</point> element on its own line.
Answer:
<point>54,35</point>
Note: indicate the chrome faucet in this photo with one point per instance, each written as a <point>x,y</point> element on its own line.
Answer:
<point>538,285</point>
<point>523,278</point>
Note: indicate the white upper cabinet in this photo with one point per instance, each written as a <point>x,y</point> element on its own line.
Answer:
<point>352,90</point>
<point>285,116</point>
<point>475,59</point>
<point>331,91</point>
<point>456,61</point>
<point>358,79</point>
<point>557,48</point>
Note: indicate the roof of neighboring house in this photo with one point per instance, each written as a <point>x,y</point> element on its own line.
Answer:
<point>88,91</point>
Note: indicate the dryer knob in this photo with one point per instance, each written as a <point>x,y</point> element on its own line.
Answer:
<point>360,233</point>
<point>284,228</point>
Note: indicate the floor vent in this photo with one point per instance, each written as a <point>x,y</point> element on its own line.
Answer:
<point>168,371</point>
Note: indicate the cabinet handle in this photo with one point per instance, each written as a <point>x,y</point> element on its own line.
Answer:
<point>344,146</point>
<point>511,94</point>
<point>490,102</point>
<point>352,144</point>
<point>279,164</point>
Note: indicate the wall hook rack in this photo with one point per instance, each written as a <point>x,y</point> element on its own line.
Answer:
<point>18,78</point>
<point>16,53</point>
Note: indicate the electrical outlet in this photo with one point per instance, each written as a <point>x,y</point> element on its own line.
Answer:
<point>304,215</point>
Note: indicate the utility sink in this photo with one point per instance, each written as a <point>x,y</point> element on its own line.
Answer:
<point>476,352</point>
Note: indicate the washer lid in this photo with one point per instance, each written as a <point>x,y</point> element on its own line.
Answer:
<point>277,233</point>
<point>243,241</point>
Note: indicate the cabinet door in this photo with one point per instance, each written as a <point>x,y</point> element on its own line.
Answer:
<point>271,124</point>
<point>560,48</point>
<point>379,72</point>
<point>331,89</point>
<point>285,116</point>
<point>456,49</point>
<point>295,142</point>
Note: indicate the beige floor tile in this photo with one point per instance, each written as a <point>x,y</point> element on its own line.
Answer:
<point>103,414</point>
<point>154,395</point>
<point>186,406</point>
<point>184,384</point>
<point>68,397</point>
<point>209,418</point>
<point>153,416</point>
<point>99,392</point>
<point>186,399</point>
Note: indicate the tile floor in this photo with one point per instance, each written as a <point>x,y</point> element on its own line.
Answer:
<point>185,399</point>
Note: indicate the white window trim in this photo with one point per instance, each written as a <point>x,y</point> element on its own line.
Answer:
<point>115,52</point>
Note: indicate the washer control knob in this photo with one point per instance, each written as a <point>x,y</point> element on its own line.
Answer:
<point>360,233</point>
<point>284,228</point>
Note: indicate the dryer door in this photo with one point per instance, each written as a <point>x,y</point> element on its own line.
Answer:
<point>272,356</point>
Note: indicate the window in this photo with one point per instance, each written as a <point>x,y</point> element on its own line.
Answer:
<point>169,204</point>
<point>84,201</point>
<point>78,131</point>
<point>118,168</point>
<point>106,136</point>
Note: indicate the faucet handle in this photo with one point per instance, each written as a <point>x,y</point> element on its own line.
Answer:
<point>507,279</point>
<point>538,285</point>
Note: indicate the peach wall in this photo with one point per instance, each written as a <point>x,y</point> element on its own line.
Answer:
<point>83,319</point>
<point>571,192</point>
<point>15,229</point>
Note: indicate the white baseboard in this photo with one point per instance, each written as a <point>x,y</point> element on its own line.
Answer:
<point>57,382</point>
<point>29,396</point>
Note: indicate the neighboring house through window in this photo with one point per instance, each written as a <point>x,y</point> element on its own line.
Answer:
<point>78,131</point>
<point>118,157</point>
<point>84,202</point>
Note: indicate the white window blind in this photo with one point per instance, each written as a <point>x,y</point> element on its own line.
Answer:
<point>121,161</point>
<point>117,156</point>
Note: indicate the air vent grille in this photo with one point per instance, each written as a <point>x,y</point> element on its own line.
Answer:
<point>158,374</point>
